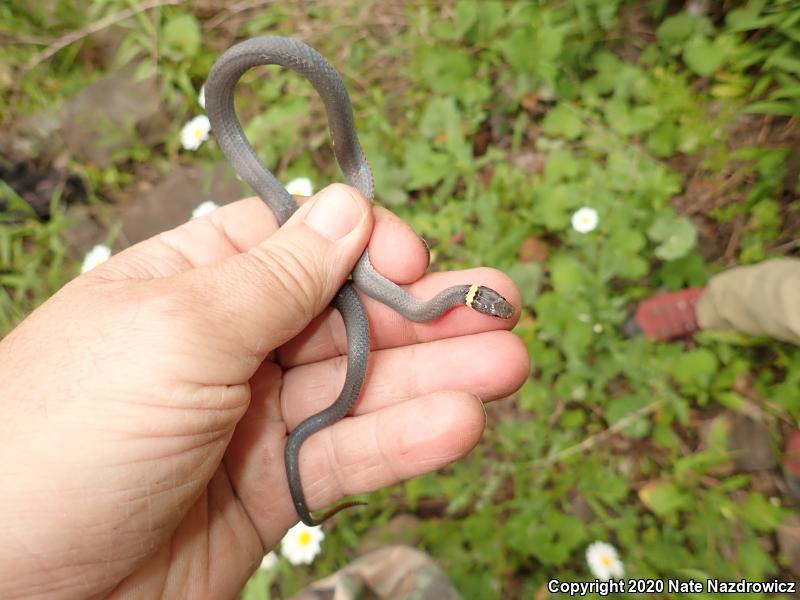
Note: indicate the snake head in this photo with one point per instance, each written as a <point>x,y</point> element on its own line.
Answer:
<point>489,302</point>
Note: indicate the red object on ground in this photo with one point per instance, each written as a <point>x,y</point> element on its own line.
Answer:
<point>668,316</point>
<point>791,462</point>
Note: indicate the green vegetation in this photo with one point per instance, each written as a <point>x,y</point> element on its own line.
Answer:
<point>488,124</point>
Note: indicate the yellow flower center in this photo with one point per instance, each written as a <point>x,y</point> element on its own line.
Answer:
<point>198,134</point>
<point>304,539</point>
<point>606,560</point>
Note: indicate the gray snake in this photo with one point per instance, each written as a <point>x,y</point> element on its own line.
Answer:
<point>219,89</point>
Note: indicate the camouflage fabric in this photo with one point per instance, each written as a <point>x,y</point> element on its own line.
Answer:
<point>393,572</point>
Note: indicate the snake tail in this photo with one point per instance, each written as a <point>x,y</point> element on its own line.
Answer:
<point>357,330</point>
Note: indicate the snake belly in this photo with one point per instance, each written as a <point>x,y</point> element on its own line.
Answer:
<point>301,58</point>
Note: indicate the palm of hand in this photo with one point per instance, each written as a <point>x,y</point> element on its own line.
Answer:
<point>171,444</point>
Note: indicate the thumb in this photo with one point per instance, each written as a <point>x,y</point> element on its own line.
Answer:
<point>266,296</point>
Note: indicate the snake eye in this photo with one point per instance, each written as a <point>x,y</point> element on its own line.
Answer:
<point>489,302</point>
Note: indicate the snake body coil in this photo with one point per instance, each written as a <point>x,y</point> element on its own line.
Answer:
<point>295,55</point>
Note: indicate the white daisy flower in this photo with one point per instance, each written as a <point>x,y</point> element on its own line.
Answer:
<point>269,562</point>
<point>301,186</point>
<point>201,97</point>
<point>204,208</point>
<point>302,543</point>
<point>195,132</point>
<point>584,220</point>
<point>96,256</point>
<point>604,561</point>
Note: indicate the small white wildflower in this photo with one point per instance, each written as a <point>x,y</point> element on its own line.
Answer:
<point>302,543</point>
<point>269,562</point>
<point>604,561</point>
<point>195,132</point>
<point>578,393</point>
<point>598,328</point>
<point>96,256</point>
<point>583,317</point>
<point>584,220</point>
<point>301,186</point>
<point>697,8</point>
<point>547,93</point>
<point>204,208</point>
<point>201,97</point>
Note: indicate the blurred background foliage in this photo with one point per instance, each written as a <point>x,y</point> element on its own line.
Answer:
<point>487,125</point>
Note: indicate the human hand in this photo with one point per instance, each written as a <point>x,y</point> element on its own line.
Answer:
<point>146,404</point>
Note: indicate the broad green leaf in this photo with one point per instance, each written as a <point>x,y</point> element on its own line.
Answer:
<point>676,29</point>
<point>567,273</point>
<point>703,56</point>
<point>629,120</point>
<point>760,513</point>
<point>563,120</point>
<point>663,139</point>
<point>528,278</point>
<point>466,14</point>
<point>664,498</point>
<point>181,36</point>
<point>424,165</point>
<point>619,408</point>
<point>677,235</point>
<point>695,367</point>
<point>745,19</point>
<point>756,562</point>
<point>550,536</point>
<point>444,69</point>
<point>531,49</point>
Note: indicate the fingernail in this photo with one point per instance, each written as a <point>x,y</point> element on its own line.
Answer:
<point>335,212</point>
<point>426,246</point>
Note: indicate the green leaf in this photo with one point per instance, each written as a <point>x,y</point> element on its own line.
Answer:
<point>663,139</point>
<point>550,536</point>
<point>567,273</point>
<point>676,29</point>
<point>621,256</point>
<point>772,107</point>
<point>181,36</point>
<point>444,69</point>
<point>424,165</point>
<point>530,49</point>
<point>528,278</point>
<point>465,17</point>
<point>756,562</point>
<point>563,120</point>
<point>664,498</point>
<point>677,235</point>
<point>695,367</point>
<point>745,19</point>
<point>760,513</point>
<point>629,120</point>
<point>620,408</point>
<point>552,205</point>
<point>441,123</point>
<point>703,56</point>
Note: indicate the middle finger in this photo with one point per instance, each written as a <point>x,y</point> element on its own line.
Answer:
<point>490,365</point>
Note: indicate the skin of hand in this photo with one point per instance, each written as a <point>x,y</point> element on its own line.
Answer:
<point>146,405</point>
